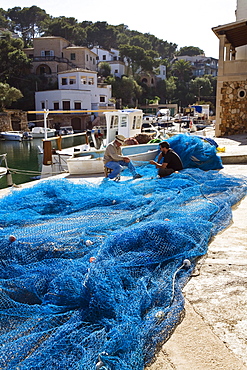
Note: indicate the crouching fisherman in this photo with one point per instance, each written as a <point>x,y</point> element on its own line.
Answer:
<point>114,159</point>
<point>171,160</point>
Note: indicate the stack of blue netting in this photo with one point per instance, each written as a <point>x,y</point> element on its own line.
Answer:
<point>93,275</point>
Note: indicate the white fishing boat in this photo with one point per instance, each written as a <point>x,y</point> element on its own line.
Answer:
<point>39,132</point>
<point>125,122</point>
<point>16,135</point>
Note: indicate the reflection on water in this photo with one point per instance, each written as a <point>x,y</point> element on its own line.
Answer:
<point>25,155</point>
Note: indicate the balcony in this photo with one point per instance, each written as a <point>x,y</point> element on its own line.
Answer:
<point>43,59</point>
<point>235,67</point>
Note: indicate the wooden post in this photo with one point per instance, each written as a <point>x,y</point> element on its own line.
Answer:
<point>47,155</point>
<point>59,142</point>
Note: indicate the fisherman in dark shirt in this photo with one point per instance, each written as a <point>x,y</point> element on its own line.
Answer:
<point>171,160</point>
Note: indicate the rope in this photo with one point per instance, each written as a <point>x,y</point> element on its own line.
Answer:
<point>17,171</point>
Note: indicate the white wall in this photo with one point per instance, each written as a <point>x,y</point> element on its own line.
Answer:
<point>49,97</point>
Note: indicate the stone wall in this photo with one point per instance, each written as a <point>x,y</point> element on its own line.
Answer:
<point>233,108</point>
<point>13,120</point>
<point>5,122</point>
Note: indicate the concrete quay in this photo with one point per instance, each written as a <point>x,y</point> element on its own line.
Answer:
<point>213,334</point>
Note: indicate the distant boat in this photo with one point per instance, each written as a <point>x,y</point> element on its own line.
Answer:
<point>16,135</point>
<point>66,130</point>
<point>39,132</point>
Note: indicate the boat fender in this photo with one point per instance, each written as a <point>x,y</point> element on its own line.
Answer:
<point>186,263</point>
<point>12,238</point>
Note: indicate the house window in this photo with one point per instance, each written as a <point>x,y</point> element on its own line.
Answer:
<point>116,71</point>
<point>102,99</point>
<point>72,80</point>
<point>66,105</point>
<point>93,61</point>
<point>83,80</point>
<point>90,81</point>
<point>72,56</point>
<point>64,81</point>
<point>87,58</point>
<point>56,105</point>
<point>104,57</point>
<point>77,105</point>
<point>47,53</point>
<point>42,105</point>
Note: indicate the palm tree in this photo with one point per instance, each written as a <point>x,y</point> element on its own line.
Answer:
<point>182,70</point>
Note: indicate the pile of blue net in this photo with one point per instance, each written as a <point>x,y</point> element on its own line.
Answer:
<point>92,276</point>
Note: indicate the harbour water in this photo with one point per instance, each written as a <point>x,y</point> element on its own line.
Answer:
<point>25,158</point>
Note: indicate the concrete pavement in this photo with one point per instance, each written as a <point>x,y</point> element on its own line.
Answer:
<point>213,334</point>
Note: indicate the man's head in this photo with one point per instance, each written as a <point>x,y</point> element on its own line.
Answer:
<point>164,146</point>
<point>119,139</point>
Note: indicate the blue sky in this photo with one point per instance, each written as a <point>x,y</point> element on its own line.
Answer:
<point>186,23</point>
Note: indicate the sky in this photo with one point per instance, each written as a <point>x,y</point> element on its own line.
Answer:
<point>183,22</point>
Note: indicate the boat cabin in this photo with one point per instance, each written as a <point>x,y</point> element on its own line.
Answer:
<point>125,122</point>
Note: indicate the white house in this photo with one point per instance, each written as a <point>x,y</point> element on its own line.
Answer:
<point>77,90</point>
<point>112,57</point>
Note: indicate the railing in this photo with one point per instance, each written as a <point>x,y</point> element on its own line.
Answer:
<point>53,59</point>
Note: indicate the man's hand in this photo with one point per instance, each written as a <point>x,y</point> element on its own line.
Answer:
<point>152,162</point>
<point>126,159</point>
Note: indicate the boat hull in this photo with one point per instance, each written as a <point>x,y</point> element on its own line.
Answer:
<point>91,162</point>
<point>12,136</point>
<point>39,132</point>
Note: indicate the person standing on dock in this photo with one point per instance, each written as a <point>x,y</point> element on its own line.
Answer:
<point>114,159</point>
<point>171,160</point>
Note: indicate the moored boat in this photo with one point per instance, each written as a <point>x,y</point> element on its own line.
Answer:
<point>39,132</point>
<point>16,135</point>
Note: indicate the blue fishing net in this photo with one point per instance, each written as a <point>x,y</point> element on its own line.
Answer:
<point>93,275</point>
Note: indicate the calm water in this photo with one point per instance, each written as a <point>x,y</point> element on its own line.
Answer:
<point>25,156</point>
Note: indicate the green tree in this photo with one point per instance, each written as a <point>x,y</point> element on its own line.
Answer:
<point>28,21</point>
<point>102,34</point>
<point>13,61</point>
<point>4,23</point>
<point>67,28</point>
<point>182,70</point>
<point>201,87</point>
<point>8,95</point>
<point>141,41</point>
<point>127,89</point>
<point>190,50</point>
<point>104,69</point>
<point>171,88</point>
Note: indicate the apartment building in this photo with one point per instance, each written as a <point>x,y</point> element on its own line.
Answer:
<point>201,65</point>
<point>51,55</point>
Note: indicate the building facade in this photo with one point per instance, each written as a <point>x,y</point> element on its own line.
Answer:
<point>112,57</point>
<point>51,55</point>
<point>77,91</point>
<point>201,65</point>
<point>231,99</point>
